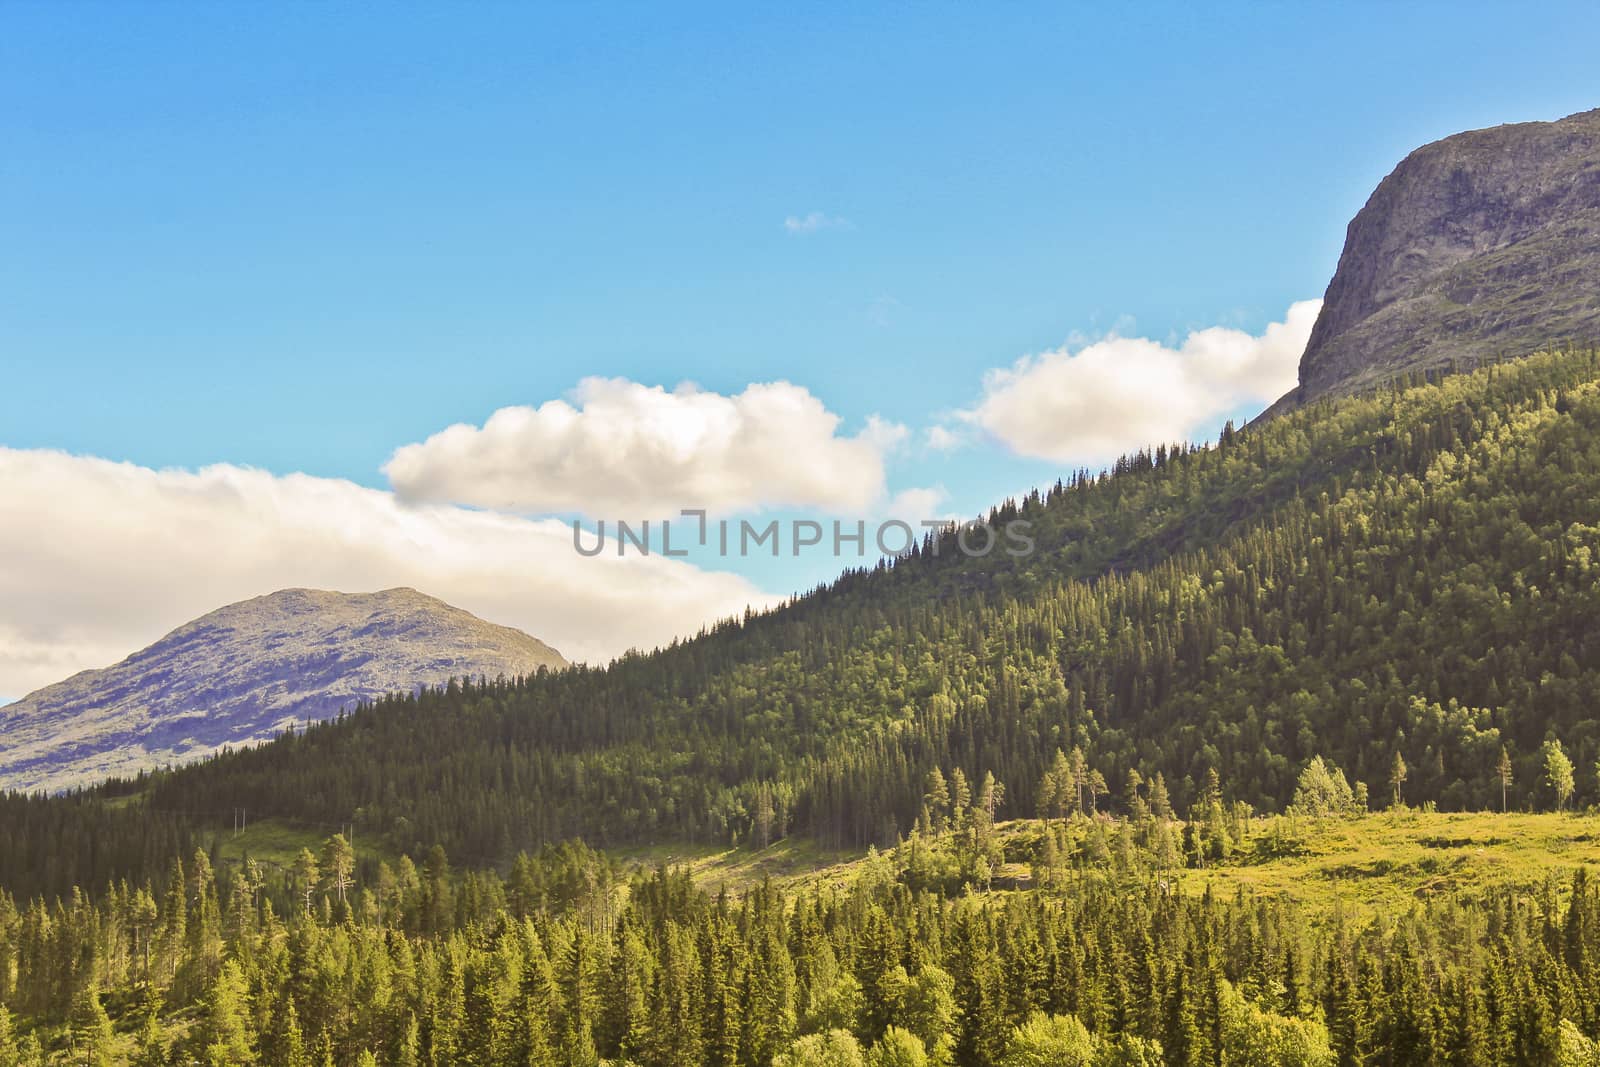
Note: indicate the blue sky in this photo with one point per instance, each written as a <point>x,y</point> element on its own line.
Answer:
<point>298,237</point>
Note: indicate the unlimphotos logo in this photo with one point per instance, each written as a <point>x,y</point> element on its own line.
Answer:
<point>838,537</point>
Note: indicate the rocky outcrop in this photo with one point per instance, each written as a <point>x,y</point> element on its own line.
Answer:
<point>244,673</point>
<point>1480,245</point>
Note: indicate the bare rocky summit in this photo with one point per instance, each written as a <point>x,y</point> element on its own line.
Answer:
<point>244,673</point>
<point>1483,244</point>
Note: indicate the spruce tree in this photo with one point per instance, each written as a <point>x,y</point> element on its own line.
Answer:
<point>151,1043</point>
<point>225,1035</point>
<point>9,1053</point>
<point>93,1040</point>
<point>409,1052</point>
<point>306,878</point>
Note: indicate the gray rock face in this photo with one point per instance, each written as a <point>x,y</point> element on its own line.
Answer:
<point>244,673</point>
<point>1484,243</point>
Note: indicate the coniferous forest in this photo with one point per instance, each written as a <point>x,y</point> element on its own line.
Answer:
<point>1381,601</point>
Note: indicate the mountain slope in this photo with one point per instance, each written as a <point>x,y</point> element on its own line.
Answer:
<point>1412,571</point>
<point>244,673</point>
<point>1484,243</point>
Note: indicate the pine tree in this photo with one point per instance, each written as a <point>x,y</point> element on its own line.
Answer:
<point>9,1053</point>
<point>1056,788</point>
<point>764,816</point>
<point>1160,801</point>
<point>990,796</point>
<point>960,799</point>
<point>143,918</point>
<point>338,863</point>
<point>538,994</point>
<point>409,1053</point>
<point>1503,772</point>
<point>1097,788</point>
<point>152,1039</point>
<point>29,1053</point>
<point>578,997</point>
<point>1077,776</point>
<point>937,797</point>
<point>203,942</point>
<point>226,1032</point>
<point>174,920</point>
<point>306,877</point>
<point>1138,810</point>
<point>93,1040</point>
<point>437,894</point>
<point>284,1041</point>
<point>1179,1035</point>
<point>622,998</point>
<point>1045,794</point>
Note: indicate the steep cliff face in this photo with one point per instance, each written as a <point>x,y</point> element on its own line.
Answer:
<point>1481,244</point>
<point>245,672</point>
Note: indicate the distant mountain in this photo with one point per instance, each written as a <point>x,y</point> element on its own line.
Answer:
<point>245,672</point>
<point>1483,244</point>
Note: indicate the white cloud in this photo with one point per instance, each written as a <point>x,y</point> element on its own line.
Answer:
<point>622,450</point>
<point>802,225</point>
<point>944,438</point>
<point>884,435</point>
<point>917,505</point>
<point>1121,393</point>
<point>98,559</point>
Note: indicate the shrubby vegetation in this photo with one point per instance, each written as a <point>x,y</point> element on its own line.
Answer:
<point>1324,790</point>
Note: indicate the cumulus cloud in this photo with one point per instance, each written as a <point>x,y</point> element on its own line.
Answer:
<point>98,559</point>
<point>917,505</point>
<point>625,450</point>
<point>1122,393</point>
<point>803,225</point>
<point>944,438</point>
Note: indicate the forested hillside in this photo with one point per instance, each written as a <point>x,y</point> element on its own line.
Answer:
<point>1401,586</point>
<point>1111,957</point>
<point>1407,573</point>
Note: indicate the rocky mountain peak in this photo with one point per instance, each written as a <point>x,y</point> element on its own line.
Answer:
<point>244,673</point>
<point>1481,244</point>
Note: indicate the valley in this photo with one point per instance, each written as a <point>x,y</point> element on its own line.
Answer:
<point>1277,748</point>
